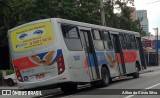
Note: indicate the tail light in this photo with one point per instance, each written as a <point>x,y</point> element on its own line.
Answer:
<point>18,74</point>
<point>61,66</point>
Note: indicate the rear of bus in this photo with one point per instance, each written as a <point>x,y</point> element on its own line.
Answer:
<point>36,54</point>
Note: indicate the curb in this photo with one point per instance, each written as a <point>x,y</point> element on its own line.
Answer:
<point>147,71</point>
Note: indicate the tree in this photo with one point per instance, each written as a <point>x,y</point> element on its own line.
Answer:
<point>4,20</point>
<point>82,10</point>
<point>17,12</point>
<point>121,20</point>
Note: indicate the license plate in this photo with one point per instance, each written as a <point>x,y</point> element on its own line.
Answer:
<point>39,76</point>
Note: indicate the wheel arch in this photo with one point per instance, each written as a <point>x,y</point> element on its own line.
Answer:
<point>105,66</point>
<point>9,79</point>
<point>10,82</point>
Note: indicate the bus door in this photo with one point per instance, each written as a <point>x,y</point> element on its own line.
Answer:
<point>142,56</point>
<point>91,59</point>
<point>119,53</point>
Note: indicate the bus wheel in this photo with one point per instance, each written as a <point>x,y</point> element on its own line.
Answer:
<point>68,87</point>
<point>96,84</point>
<point>10,82</point>
<point>136,74</point>
<point>105,77</point>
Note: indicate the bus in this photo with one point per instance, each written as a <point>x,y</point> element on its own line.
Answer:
<point>67,53</point>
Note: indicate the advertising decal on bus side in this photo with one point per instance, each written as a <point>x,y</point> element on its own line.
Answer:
<point>110,58</point>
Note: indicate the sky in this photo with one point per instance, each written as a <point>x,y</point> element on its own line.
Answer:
<point>153,12</point>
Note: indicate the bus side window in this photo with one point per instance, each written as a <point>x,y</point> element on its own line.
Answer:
<point>71,37</point>
<point>70,32</point>
<point>97,37</point>
<point>107,40</point>
<point>133,42</point>
<point>128,42</point>
<point>122,39</point>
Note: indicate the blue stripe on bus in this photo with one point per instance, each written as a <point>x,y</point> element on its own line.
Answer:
<point>59,52</point>
<point>41,55</point>
<point>101,57</point>
<point>91,60</point>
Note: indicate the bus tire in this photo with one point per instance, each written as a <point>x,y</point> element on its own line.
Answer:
<point>10,82</point>
<point>105,77</point>
<point>136,74</point>
<point>96,84</point>
<point>68,87</point>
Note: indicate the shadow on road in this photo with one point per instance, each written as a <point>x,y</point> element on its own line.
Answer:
<point>83,90</point>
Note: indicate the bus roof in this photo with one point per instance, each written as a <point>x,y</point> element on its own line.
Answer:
<point>29,23</point>
<point>95,26</point>
<point>78,24</point>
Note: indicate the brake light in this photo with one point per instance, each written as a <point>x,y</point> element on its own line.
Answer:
<point>61,65</point>
<point>18,74</point>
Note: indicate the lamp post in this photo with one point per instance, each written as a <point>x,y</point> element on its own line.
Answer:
<point>156,31</point>
<point>157,48</point>
<point>103,21</point>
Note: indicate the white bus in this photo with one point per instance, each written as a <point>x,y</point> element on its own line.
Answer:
<point>66,53</point>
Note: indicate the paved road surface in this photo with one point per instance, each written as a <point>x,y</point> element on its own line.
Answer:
<point>146,81</point>
<point>149,80</point>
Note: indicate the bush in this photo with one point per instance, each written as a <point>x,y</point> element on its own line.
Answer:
<point>8,72</point>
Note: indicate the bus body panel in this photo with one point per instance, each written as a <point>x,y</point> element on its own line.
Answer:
<point>75,60</point>
<point>41,52</point>
<point>131,67</point>
<point>130,58</point>
<point>108,58</point>
<point>36,60</point>
<point>76,66</point>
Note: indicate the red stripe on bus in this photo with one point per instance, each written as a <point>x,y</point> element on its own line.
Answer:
<point>24,63</point>
<point>129,56</point>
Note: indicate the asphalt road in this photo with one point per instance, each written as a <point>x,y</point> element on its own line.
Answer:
<point>150,81</point>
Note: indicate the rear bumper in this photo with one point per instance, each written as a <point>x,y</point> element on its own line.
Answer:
<point>15,81</point>
<point>52,82</point>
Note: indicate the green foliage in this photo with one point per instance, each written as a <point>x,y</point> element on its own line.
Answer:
<point>8,72</point>
<point>17,12</point>
<point>121,20</point>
